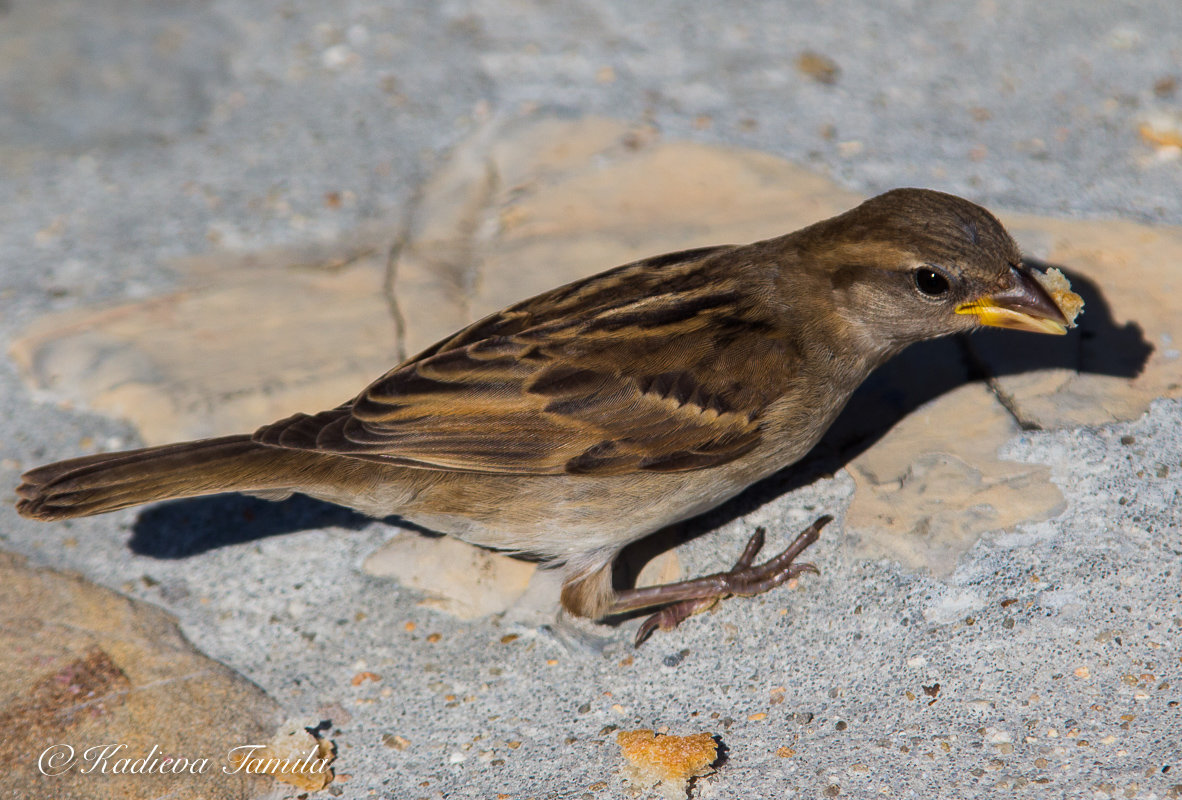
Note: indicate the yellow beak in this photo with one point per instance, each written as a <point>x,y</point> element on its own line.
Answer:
<point>1022,306</point>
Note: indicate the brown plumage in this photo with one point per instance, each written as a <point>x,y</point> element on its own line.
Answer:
<point>585,418</point>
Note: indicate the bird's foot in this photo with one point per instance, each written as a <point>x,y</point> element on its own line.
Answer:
<point>684,599</point>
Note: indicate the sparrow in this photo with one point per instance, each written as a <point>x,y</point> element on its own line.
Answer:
<point>578,421</point>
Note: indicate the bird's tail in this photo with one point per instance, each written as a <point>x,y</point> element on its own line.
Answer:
<point>95,484</point>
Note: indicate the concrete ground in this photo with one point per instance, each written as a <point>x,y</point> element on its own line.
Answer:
<point>1047,663</point>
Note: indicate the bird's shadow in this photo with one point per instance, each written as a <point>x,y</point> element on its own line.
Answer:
<point>182,528</point>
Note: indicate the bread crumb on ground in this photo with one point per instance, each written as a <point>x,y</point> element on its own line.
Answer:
<point>666,763</point>
<point>294,756</point>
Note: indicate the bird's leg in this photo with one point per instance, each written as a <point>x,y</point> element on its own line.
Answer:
<point>683,599</point>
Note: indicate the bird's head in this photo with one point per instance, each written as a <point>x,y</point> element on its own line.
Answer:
<point>914,264</point>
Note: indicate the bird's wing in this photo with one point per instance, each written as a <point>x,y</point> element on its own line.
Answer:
<point>645,368</point>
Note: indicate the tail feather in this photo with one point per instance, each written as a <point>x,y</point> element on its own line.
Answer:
<point>111,481</point>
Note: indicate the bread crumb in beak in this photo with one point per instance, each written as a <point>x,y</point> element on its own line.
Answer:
<point>1057,286</point>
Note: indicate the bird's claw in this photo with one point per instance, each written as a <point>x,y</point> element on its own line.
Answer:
<point>743,579</point>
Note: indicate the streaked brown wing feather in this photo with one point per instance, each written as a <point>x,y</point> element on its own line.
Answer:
<point>538,388</point>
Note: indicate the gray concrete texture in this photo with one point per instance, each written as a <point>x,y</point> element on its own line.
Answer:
<point>135,132</point>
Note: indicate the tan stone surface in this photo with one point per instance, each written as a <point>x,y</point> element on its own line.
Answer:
<point>934,483</point>
<point>83,666</point>
<point>466,581</point>
<point>254,338</point>
<point>529,204</point>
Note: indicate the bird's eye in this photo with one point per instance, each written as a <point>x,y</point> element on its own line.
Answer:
<point>930,282</point>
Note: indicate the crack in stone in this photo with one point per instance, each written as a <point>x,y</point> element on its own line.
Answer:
<point>464,266</point>
<point>390,279</point>
<point>389,292</point>
<point>979,370</point>
<point>1010,404</point>
<point>488,203</point>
